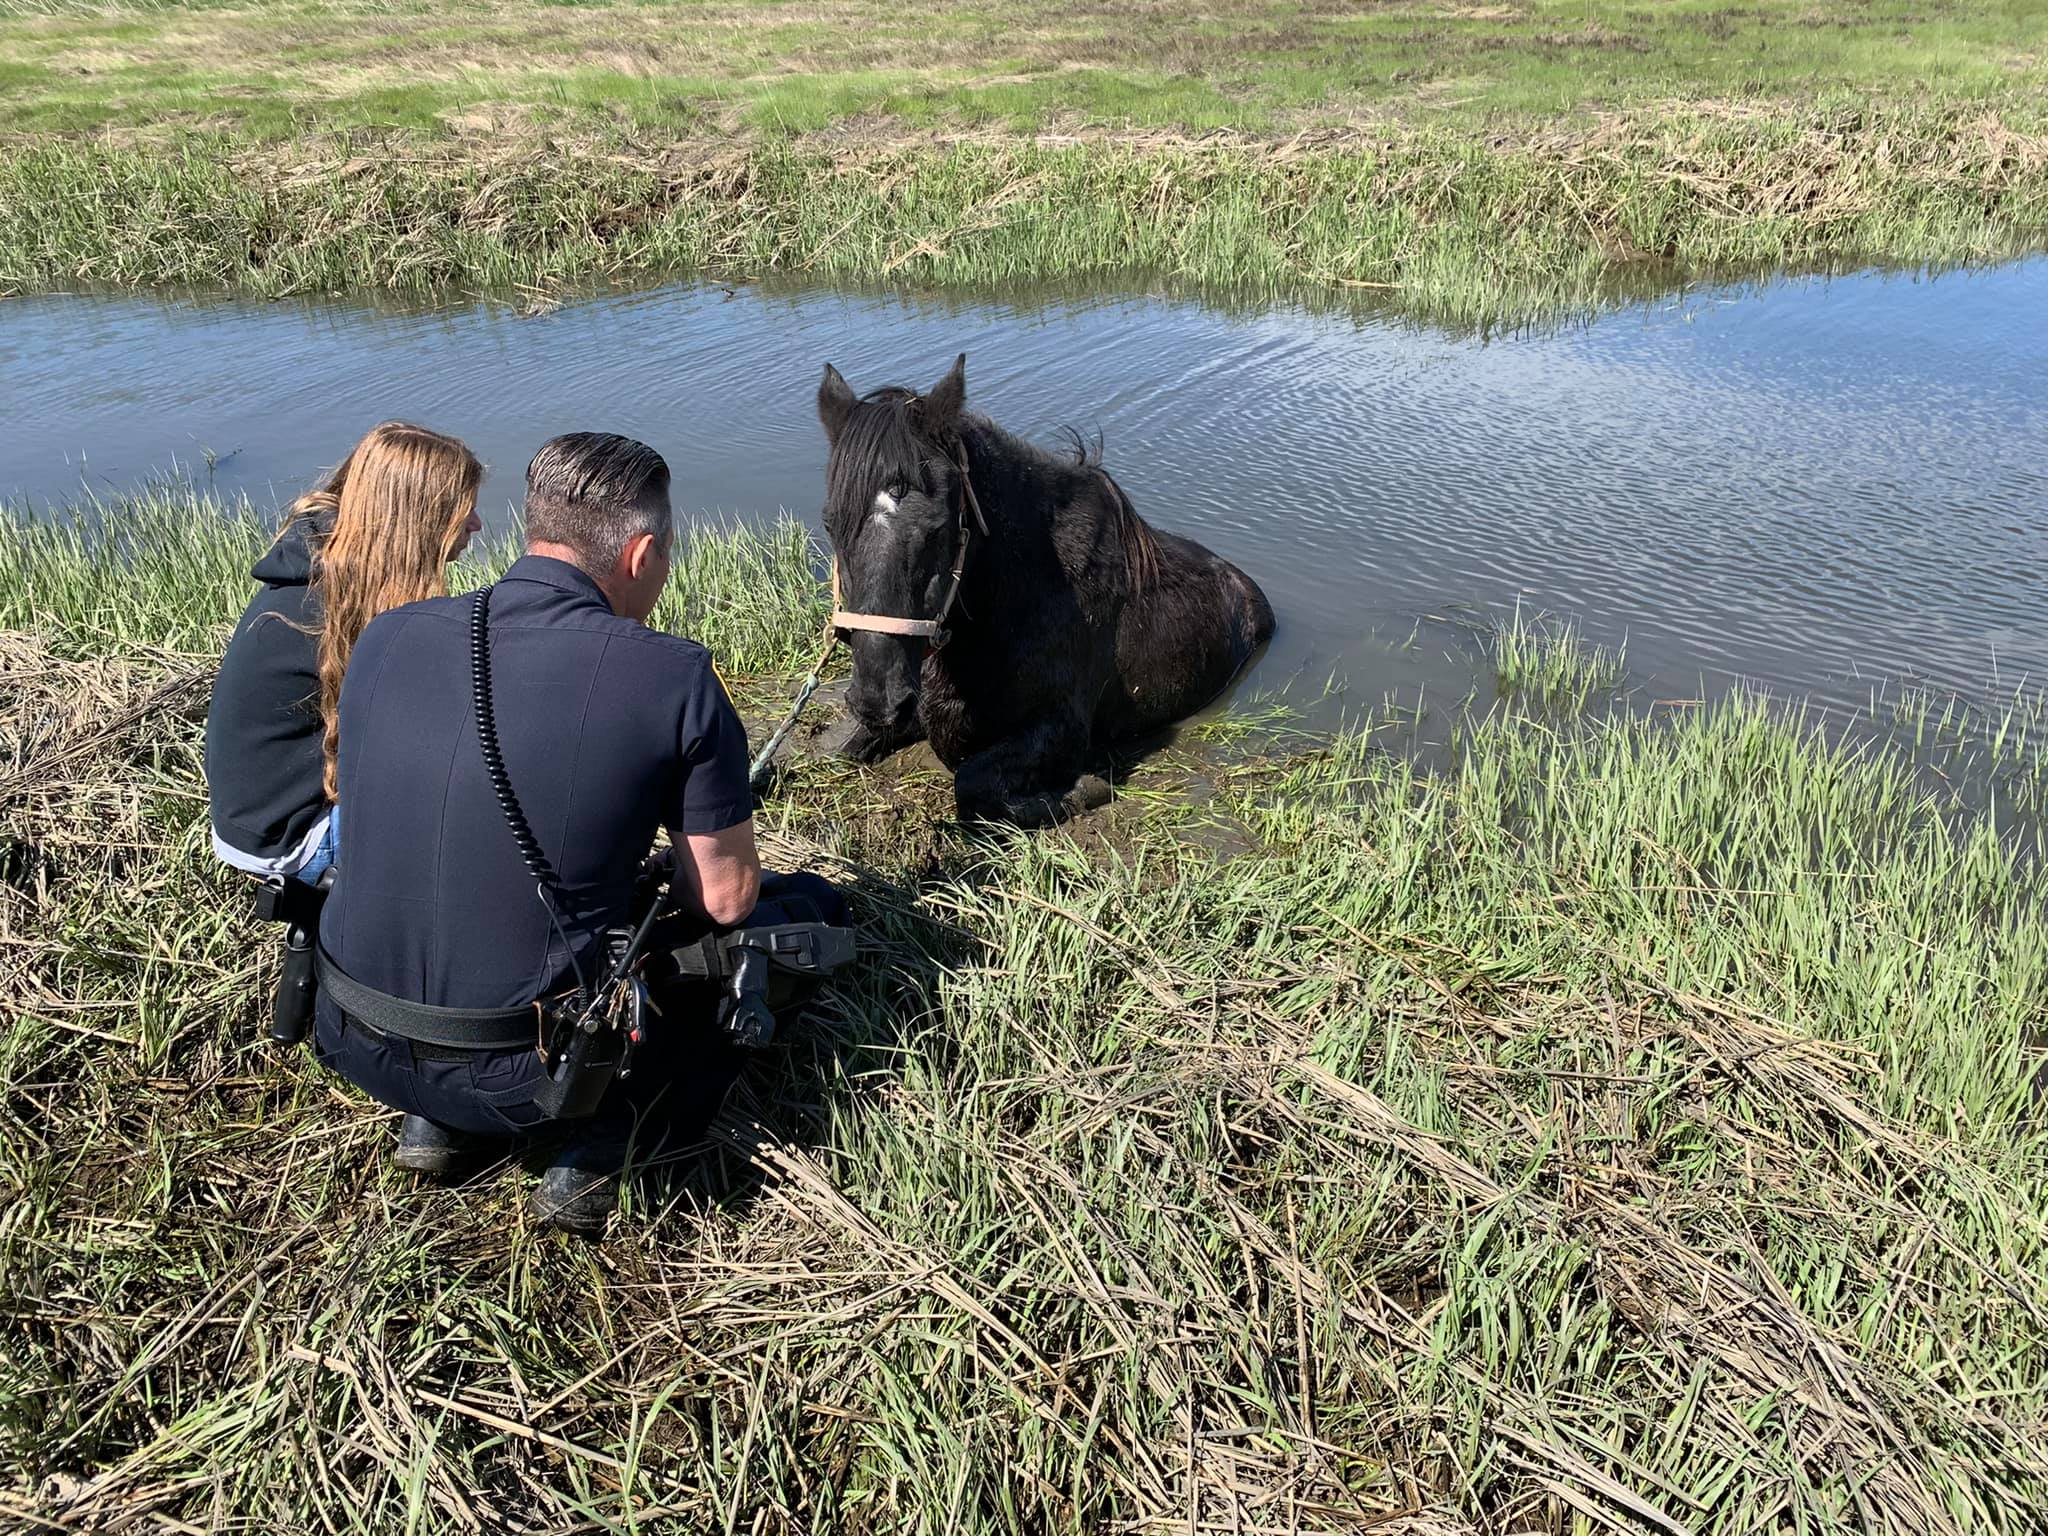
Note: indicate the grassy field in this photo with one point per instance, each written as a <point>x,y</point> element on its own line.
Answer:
<point>273,68</point>
<point>1469,162</point>
<point>1631,1127</point>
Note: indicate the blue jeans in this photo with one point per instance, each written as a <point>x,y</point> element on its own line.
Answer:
<point>324,851</point>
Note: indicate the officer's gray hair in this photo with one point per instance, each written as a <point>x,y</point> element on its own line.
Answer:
<point>595,492</point>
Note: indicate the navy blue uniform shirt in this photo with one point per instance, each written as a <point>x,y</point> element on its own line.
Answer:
<point>608,728</point>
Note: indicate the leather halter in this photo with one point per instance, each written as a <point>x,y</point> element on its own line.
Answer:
<point>933,630</point>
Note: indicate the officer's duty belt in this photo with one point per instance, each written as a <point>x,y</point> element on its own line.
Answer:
<point>805,949</point>
<point>467,1029</point>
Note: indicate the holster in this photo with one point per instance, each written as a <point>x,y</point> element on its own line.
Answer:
<point>281,899</point>
<point>583,1066</point>
<point>809,951</point>
<point>760,971</point>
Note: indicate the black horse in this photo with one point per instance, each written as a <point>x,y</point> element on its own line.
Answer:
<point>1009,604</point>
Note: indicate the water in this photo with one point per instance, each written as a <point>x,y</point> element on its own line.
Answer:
<point>1813,485</point>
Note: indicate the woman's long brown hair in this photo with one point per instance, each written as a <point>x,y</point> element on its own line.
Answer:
<point>397,506</point>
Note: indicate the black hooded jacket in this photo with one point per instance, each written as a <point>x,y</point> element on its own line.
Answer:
<point>263,760</point>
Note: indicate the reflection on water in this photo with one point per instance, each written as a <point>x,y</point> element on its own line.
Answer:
<point>1809,484</point>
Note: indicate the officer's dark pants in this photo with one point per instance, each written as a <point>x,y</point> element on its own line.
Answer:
<point>680,1075</point>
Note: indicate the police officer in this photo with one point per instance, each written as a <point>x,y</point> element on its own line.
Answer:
<point>607,730</point>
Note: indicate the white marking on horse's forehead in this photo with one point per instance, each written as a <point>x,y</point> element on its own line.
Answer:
<point>884,504</point>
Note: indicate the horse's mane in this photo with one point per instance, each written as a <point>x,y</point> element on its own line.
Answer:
<point>1136,537</point>
<point>1140,542</point>
<point>874,444</point>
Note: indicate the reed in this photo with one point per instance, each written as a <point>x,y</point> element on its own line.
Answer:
<point>162,566</point>
<point>167,567</point>
<point>1626,1126</point>
<point>1547,660</point>
<point>1453,227</point>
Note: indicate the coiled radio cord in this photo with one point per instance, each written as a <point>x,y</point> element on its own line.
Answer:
<point>530,853</point>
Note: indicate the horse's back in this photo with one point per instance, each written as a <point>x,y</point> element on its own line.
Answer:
<point>1184,634</point>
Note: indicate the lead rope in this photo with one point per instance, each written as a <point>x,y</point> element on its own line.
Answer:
<point>757,776</point>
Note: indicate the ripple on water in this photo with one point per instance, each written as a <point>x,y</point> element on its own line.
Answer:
<point>1805,483</point>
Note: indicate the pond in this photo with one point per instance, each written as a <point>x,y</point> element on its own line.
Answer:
<point>1811,484</point>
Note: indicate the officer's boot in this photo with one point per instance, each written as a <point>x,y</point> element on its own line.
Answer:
<point>441,1152</point>
<point>580,1188</point>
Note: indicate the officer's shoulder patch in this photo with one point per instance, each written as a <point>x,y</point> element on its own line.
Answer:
<point>665,640</point>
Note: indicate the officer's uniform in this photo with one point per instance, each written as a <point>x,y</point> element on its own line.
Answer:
<point>609,730</point>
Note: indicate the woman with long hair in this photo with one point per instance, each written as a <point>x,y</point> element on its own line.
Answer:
<point>378,534</point>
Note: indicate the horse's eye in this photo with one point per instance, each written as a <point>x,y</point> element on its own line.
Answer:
<point>897,491</point>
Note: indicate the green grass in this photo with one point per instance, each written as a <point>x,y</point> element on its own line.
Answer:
<point>1259,65</point>
<point>167,568</point>
<point>1629,1126</point>
<point>1999,742</point>
<point>1471,164</point>
<point>162,568</point>
<point>1448,227</point>
<point>1546,660</point>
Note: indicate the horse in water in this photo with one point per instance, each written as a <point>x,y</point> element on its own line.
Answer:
<point>1009,604</point>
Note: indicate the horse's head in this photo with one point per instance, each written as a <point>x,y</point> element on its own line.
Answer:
<point>896,503</point>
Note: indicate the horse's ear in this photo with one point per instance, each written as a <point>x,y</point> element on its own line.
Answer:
<point>942,406</point>
<point>835,403</point>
